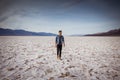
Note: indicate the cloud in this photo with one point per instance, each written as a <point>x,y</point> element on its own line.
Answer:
<point>71,3</point>
<point>49,14</point>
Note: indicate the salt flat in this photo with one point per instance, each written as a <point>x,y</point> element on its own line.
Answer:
<point>83,58</point>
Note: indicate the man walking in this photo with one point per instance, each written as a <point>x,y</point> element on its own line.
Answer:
<point>59,41</point>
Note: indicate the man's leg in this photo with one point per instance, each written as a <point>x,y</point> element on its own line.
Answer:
<point>60,51</point>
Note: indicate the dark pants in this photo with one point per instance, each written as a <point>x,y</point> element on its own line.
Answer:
<point>59,50</point>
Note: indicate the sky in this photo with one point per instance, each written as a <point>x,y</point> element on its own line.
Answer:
<point>70,16</point>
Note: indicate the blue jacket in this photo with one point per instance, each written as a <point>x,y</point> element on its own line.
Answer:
<point>57,39</point>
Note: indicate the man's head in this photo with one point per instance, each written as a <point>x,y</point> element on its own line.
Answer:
<point>60,32</point>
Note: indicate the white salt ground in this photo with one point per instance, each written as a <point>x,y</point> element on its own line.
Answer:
<point>83,58</point>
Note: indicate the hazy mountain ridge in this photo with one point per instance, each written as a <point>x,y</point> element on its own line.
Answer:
<point>115,32</point>
<point>10,32</point>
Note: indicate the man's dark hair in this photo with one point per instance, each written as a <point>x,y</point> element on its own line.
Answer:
<point>60,30</point>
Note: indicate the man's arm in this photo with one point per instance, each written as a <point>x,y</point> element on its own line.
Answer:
<point>63,41</point>
<point>56,41</point>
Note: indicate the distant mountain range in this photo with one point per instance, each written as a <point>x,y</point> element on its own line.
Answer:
<point>115,32</point>
<point>9,32</point>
